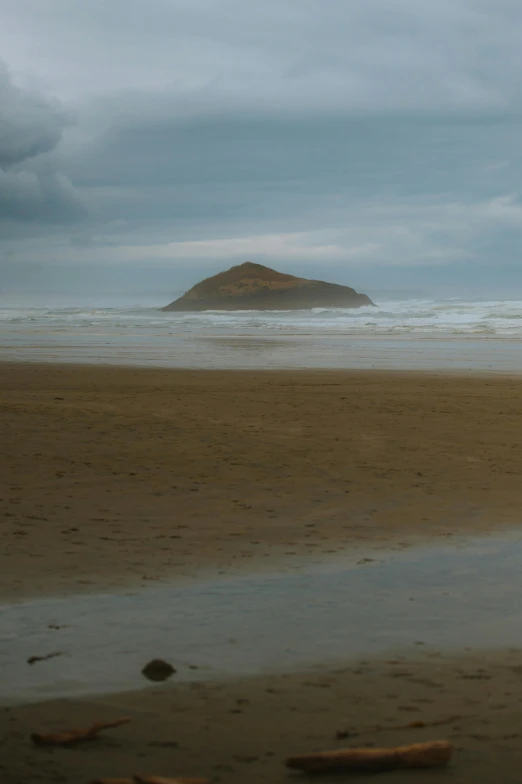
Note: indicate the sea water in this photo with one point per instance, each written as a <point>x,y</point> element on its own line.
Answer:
<point>420,333</point>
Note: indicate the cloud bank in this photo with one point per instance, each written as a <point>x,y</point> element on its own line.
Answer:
<point>339,138</point>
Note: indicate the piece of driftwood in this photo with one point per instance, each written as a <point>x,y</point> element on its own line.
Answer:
<point>113,781</point>
<point>162,780</point>
<point>145,779</point>
<point>419,725</point>
<point>35,659</point>
<point>411,725</point>
<point>70,737</point>
<point>418,755</point>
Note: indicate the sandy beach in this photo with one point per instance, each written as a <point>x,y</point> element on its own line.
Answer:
<point>260,392</point>
<point>243,730</point>
<point>117,477</point>
<point>114,476</point>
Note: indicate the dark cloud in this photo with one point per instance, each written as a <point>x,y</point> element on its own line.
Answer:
<point>34,196</point>
<point>30,127</point>
<point>29,123</point>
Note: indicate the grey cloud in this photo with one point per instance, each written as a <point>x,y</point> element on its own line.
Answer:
<point>32,196</point>
<point>29,124</point>
<point>372,122</point>
<point>280,55</point>
<point>30,188</point>
<point>233,174</point>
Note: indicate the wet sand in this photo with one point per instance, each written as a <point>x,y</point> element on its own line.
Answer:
<point>443,597</point>
<point>242,730</point>
<point>114,476</point>
<point>117,477</point>
<point>258,349</point>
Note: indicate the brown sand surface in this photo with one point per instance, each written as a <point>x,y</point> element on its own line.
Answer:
<point>111,476</point>
<point>114,476</point>
<point>241,731</point>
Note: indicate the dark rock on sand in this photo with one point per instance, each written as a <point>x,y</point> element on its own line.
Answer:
<point>158,670</point>
<point>255,287</point>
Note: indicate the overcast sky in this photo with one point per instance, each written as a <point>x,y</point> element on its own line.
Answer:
<point>146,143</point>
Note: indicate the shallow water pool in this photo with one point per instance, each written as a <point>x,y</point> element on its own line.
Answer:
<point>444,597</point>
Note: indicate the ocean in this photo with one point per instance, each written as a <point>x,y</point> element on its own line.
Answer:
<point>415,333</point>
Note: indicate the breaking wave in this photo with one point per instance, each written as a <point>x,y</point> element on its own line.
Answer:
<point>423,317</point>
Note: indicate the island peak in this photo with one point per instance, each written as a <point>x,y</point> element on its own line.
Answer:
<point>252,286</point>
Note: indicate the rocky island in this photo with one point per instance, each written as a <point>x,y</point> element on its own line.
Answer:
<point>252,286</point>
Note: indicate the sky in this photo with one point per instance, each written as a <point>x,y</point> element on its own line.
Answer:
<point>145,144</point>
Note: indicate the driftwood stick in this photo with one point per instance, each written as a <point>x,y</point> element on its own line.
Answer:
<point>113,781</point>
<point>146,779</point>
<point>71,737</point>
<point>34,659</point>
<point>419,755</point>
<point>162,780</point>
<point>411,725</point>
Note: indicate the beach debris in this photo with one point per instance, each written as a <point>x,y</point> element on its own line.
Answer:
<point>343,734</point>
<point>113,781</point>
<point>158,670</point>
<point>438,723</point>
<point>162,780</point>
<point>34,659</point>
<point>411,725</point>
<point>164,744</point>
<point>146,779</point>
<point>71,737</point>
<point>419,755</point>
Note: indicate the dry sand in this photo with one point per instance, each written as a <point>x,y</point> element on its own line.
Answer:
<point>114,476</point>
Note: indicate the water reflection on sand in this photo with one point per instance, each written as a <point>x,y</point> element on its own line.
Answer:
<point>283,352</point>
<point>446,598</point>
